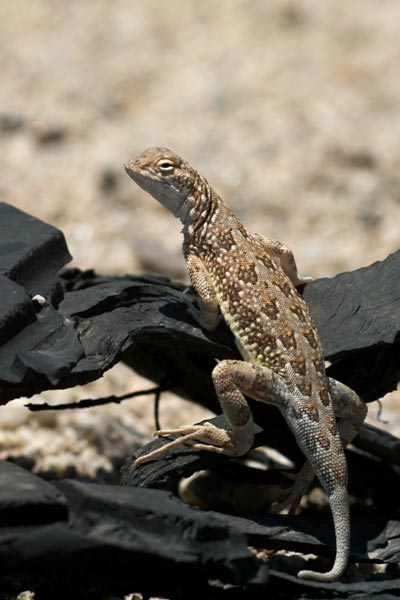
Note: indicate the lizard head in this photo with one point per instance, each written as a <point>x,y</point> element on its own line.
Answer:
<point>164,175</point>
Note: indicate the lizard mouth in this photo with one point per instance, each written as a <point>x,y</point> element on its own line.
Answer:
<point>163,191</point>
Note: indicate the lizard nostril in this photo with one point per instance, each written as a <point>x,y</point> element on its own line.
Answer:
<point>128,165</point>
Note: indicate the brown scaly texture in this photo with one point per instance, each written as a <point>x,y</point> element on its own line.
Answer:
<point>251,280</point>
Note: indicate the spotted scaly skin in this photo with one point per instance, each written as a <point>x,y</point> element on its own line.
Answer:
<point>251,281</point>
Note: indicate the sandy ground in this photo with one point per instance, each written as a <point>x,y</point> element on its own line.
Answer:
<point>290,108</point>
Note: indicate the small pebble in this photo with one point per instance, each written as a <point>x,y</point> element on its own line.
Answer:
<point>45,134</point>
<point>27,595</point>
<point>11,122</point>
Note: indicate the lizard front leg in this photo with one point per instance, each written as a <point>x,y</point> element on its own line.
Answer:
<point>285,257</point>
<point>208,315</point>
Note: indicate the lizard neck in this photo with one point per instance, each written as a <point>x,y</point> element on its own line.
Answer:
<point>198,208</point>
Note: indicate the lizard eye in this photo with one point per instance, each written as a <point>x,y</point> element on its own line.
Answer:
<point>165,166</point>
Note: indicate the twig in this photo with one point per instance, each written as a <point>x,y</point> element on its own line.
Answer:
<point>379,413</point>
<point>89,402</point>
<point>156,408</point>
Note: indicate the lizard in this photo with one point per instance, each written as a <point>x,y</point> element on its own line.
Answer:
<point>251,282</point>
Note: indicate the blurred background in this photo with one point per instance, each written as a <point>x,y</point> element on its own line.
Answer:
<point>290,108</point>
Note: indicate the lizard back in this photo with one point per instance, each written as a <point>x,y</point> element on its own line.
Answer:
<point>270,320</point>
<point>272,327</point>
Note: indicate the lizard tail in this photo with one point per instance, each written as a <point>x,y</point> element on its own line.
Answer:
<point>339,504</point>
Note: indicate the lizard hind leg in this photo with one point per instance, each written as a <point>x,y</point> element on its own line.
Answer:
<point>206,435</point>
<point>232,379</point>
<point>350,409</point>
<point>300,486</point>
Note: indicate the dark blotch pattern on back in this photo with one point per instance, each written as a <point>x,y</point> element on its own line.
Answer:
<point>247,273</point>
<point>270,308</point>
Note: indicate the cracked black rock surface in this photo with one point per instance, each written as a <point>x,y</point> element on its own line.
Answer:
<point>60,329</point>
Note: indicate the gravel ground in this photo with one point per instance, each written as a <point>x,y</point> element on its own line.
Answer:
<point>290,108</point>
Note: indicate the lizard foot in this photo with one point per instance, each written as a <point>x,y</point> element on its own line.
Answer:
<point>207,320</point>
<point>208,437</point>
<point>301,483</point>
